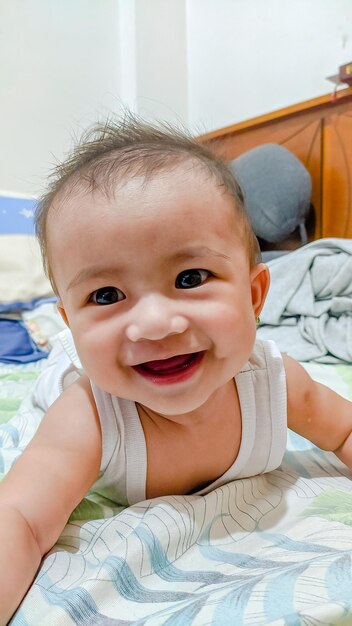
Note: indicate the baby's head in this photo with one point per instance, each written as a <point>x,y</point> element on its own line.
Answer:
<point>150,251</point>
<point>110,154</point>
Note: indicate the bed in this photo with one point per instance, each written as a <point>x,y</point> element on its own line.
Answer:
<point>273,549</point>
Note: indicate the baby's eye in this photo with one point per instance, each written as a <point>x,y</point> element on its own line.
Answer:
<point>106,295</point>
<point>188,279</point>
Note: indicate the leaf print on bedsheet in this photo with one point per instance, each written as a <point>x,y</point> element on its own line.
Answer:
<point>95,507</point>
<point>230,609</point>
<point>87,510</point>
<point>275,578</point>
<point>167,571</point>
<point>186,615</point>
<point>286,595</point>
<point>345,372</point>
<point>8,408</point>
<point>279,593</point>
<point>16,382</point>
<point>103,620</point>
<point>19,619</point>
<point>339,581</point>
<point>130,588</point>
<point>238,559</point>
<point>77,603</point>
<point>293,545</point>
<point>333,505</point>
<point>9,439</point>
<point>9,435</point>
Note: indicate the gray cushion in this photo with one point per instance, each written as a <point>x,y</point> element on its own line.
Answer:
<point>276,188</point>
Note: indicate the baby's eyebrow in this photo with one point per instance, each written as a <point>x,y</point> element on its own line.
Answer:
<point>89,273</point>
<point>197,252</point>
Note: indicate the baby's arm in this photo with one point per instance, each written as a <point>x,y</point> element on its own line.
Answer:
<point>318,413</point>
<point>46,483</point>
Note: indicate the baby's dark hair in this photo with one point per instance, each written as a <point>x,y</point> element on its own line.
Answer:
<point>108,153</point>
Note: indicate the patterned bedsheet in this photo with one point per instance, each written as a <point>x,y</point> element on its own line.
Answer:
<point>274,549</point>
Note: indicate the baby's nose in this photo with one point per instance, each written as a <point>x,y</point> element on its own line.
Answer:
<point>155,319</point>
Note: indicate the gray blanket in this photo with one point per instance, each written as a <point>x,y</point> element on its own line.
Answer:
<point>308,311</point>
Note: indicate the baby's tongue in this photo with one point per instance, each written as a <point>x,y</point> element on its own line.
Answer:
<point>165,365</point>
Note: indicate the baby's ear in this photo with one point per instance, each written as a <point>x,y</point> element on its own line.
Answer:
<point>62,312</point>
<point>260,281</point>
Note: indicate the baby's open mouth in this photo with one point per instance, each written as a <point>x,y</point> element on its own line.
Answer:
<point>172,367</point>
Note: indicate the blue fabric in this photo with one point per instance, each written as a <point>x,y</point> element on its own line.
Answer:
<point>16,345</point>
<point>16,215</point>
<point>25,306</point>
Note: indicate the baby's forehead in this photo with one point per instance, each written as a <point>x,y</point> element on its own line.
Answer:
<point>183,180</point>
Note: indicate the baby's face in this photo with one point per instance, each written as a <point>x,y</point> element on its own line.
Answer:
<point>156,287</point>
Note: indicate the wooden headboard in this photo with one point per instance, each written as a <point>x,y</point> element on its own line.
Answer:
<point>319,133</point>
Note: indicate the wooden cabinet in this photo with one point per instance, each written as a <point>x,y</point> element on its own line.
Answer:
<point>319,133</point>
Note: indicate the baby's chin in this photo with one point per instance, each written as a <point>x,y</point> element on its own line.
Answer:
<point>178,410</point>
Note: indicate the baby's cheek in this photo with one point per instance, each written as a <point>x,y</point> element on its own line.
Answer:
<point>95,347</point>
<point>235,331</point>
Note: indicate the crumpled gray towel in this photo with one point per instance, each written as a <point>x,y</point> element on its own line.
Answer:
<point>308,311</point>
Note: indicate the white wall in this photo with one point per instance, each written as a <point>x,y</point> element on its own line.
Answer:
<point>59,69</point>
<point>161,59</point>
<point>208,63</point>
<point>249,57</point>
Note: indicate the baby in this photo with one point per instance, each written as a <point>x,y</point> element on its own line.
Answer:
<point>159,280</point>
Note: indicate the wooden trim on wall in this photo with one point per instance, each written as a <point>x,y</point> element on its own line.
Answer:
<point>327,101</point>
